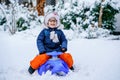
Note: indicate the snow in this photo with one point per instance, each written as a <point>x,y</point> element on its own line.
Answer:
<point>94,59</point>
<point>117,22</point>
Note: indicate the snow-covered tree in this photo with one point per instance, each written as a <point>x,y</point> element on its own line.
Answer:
<point>18,18</point>
<point>81,16</point>
<point>2,17</point>
<point>107,9</point>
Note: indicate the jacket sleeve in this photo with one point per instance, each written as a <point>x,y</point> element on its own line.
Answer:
<point>63,41</point>
<point>40,41</point>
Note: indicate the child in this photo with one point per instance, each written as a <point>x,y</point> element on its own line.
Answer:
<point>51,39</point>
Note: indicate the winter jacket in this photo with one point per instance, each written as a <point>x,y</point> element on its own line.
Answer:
<point>45,44</point>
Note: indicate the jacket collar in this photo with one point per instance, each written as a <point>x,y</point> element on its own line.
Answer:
<point>52,29</point>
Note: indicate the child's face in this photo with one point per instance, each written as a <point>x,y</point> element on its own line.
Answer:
<point>52,22</point>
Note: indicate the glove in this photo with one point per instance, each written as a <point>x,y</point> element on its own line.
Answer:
<point>42,52</point>
<point>64,49</point>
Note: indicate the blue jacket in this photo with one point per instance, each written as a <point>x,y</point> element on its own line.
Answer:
<point>45,44</point>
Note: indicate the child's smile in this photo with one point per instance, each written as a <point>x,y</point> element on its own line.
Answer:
<point>52,23</point>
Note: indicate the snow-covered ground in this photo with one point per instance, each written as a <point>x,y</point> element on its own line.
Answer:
<point>94,59</point>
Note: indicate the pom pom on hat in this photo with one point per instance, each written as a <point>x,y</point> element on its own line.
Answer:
<point>50,15</point>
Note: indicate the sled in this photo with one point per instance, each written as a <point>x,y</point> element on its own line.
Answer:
<point>55,65</point>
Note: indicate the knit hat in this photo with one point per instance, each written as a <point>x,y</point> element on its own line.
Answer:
<point>50,15</point>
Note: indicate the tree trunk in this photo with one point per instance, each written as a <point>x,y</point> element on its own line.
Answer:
<point>38,1</point>
<point>100,15</point>
<point>40,7</point>
<point>14,28</point>
<point>70,3</point>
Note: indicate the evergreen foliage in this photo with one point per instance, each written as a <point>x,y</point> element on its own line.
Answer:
<point>21,24</point>
<point>2,21</point>
<point>108,17</point>
<point>89,14</point>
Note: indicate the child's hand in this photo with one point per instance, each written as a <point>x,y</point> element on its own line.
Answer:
<point>64,49</point>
